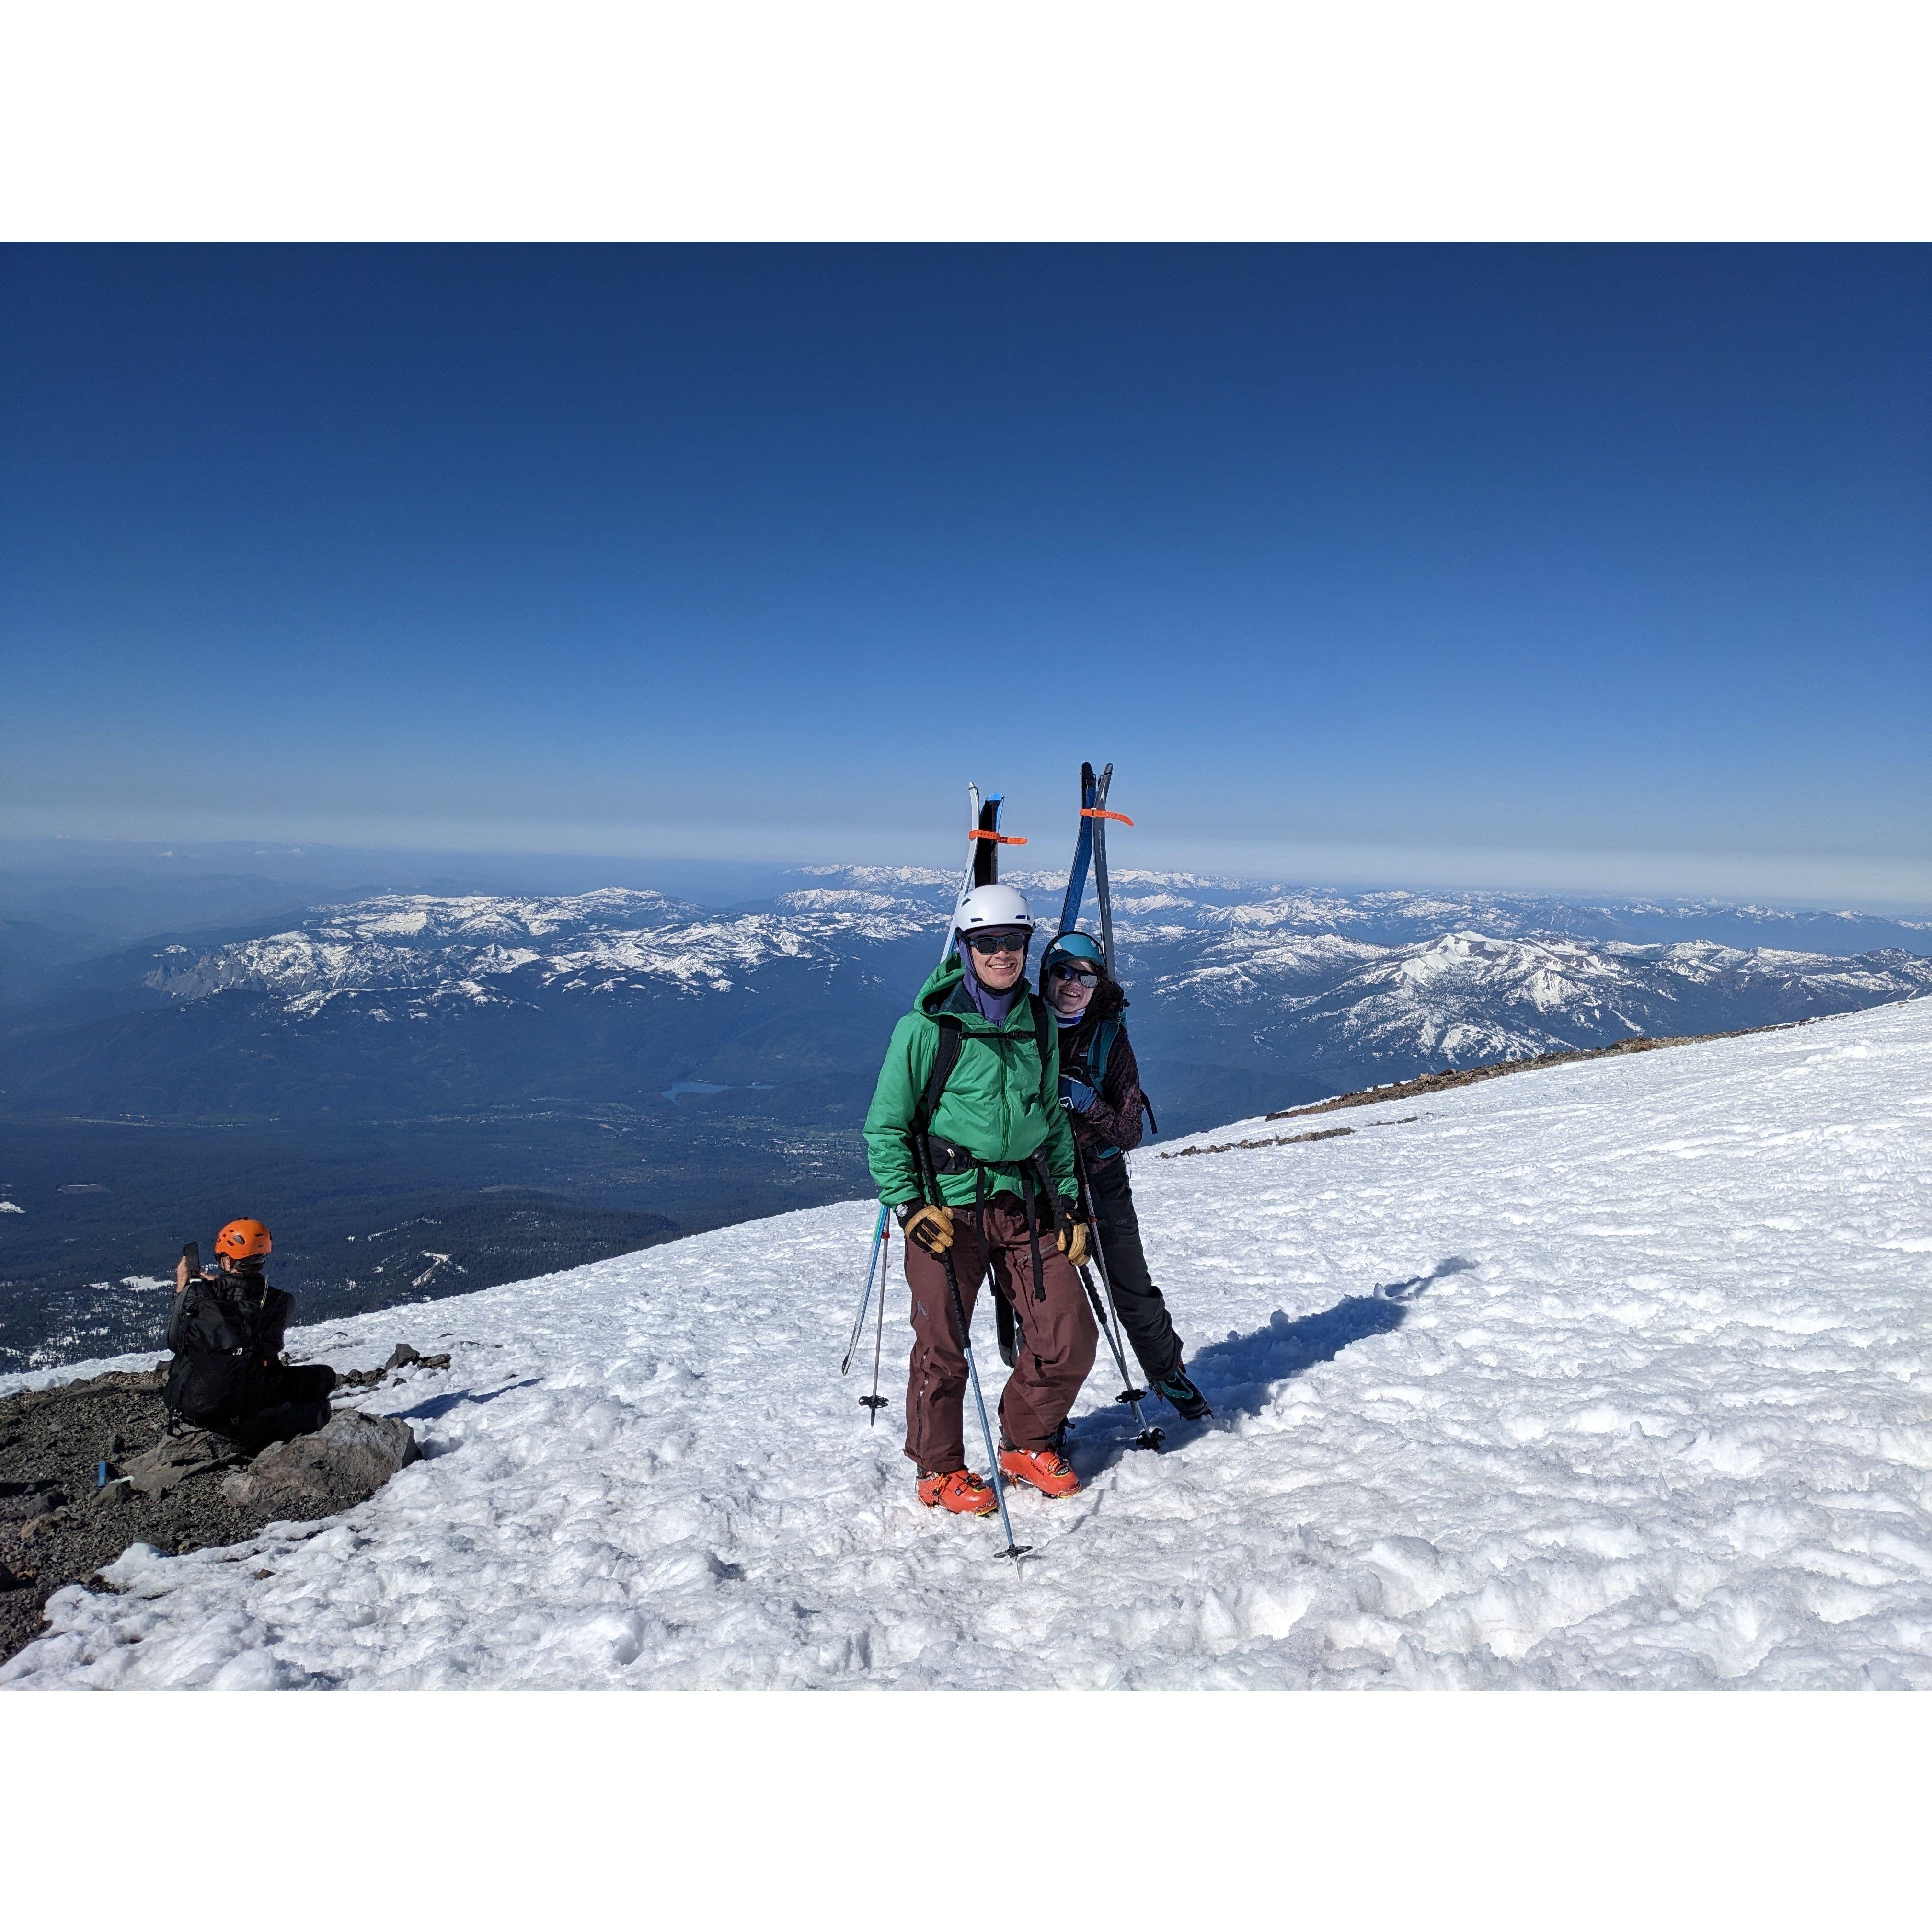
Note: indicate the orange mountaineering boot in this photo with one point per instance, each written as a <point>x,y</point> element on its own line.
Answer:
<point>959,1491</point>
<point>1046,1469</point>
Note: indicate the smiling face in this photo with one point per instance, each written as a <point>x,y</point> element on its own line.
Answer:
<point>999,971</point>
<point>1067,995</point>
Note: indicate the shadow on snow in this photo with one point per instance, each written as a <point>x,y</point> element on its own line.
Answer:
<point>1239,1376</point>
<point>439,1406</point>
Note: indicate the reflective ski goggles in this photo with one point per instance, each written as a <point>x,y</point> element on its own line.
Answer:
<point>987,944</point>
<point>1062,969</point>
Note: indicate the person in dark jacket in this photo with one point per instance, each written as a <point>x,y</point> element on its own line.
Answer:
<point>225,1329</point>
<point>1100,1089</point>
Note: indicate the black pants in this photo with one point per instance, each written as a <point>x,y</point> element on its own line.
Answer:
<point>303,1409</point>
<point>1142,1310</point>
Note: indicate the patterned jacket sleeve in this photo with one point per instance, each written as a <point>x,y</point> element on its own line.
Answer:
<point>1115,1119</point>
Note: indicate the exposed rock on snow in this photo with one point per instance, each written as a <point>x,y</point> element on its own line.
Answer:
<point>171,1460</point>
<point>165,1493</point>
<point>400,1357</point>
<point>1451,1077</point>
<point>1617,1375</point>
<point>339,1466</point>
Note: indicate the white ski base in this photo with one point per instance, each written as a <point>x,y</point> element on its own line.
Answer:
<point>1643,1400</point>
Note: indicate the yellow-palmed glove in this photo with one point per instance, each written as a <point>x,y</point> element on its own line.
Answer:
<point>1072,1242</point>
<point>932,1228</point>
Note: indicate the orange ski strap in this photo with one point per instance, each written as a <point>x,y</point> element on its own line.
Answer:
<point>1000,838</point>
<point>1119,817</point>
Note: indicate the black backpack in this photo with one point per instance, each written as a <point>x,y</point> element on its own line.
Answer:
<point>225,1331</point>
<point>1095,1067</point>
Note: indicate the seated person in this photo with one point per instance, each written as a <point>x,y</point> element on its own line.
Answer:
<point>225,1331</point>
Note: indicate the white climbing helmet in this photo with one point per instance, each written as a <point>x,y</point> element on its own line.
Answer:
<point>990,906</point>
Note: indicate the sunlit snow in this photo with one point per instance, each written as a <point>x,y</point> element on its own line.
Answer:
<point>1617,1373</point>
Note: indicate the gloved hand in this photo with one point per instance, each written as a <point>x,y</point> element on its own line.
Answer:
<point>1076,1095</point>
<point>932,1228</point>
<point>1072,1239</point>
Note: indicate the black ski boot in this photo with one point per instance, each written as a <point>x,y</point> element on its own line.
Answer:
<point>1177,1387</point>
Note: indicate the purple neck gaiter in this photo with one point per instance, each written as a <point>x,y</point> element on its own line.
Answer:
<point>996,1006</point>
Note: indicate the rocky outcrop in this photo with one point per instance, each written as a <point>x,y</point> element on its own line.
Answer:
<point>88,1467</point>
<point>401,1357</point>
<point>335,1469</point>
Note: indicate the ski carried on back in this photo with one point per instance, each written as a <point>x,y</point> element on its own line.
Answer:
<point>1083,852</point>
<point>983,840</point>
<point>1089,852</point>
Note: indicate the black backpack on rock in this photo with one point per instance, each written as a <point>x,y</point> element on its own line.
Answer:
<point>225,1331</point>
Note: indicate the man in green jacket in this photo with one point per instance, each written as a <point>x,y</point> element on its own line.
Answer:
<point>1003,1157</point>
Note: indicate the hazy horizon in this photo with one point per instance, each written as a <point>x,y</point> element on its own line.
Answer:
<point>322,867</point>
<point>1534,567</point>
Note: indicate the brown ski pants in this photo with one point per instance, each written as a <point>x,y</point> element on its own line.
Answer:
<point>1055,1349</point>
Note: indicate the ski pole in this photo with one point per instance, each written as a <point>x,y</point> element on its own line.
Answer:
<point>930,1181</point>
<point>873,1403</point>
<point>1150,1436</point>
<point>866,1294</point>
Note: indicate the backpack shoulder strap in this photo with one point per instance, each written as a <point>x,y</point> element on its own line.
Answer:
<point>952,1036</point>
<point>1104,1036</point>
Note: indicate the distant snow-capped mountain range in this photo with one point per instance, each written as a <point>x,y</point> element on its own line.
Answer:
<point>539,1079</point>
<point>1328,979</point>
<point>424,950</point>
<point>1468,997</point>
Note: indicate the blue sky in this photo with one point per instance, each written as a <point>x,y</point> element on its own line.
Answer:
<point>1569,566</point>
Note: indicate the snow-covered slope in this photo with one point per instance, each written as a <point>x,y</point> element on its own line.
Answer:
<point>1618,1373</point>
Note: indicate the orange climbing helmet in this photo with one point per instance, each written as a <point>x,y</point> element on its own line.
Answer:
<point>243,1240</point>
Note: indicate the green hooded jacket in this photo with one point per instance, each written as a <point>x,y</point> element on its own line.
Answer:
<point>1001,1104</point>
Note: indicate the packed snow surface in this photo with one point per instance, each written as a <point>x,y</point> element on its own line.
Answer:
<point>1618,1373</point>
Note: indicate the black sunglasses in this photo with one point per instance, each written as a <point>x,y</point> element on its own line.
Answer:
<point>1061,970</point>
<point>986,944</point>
